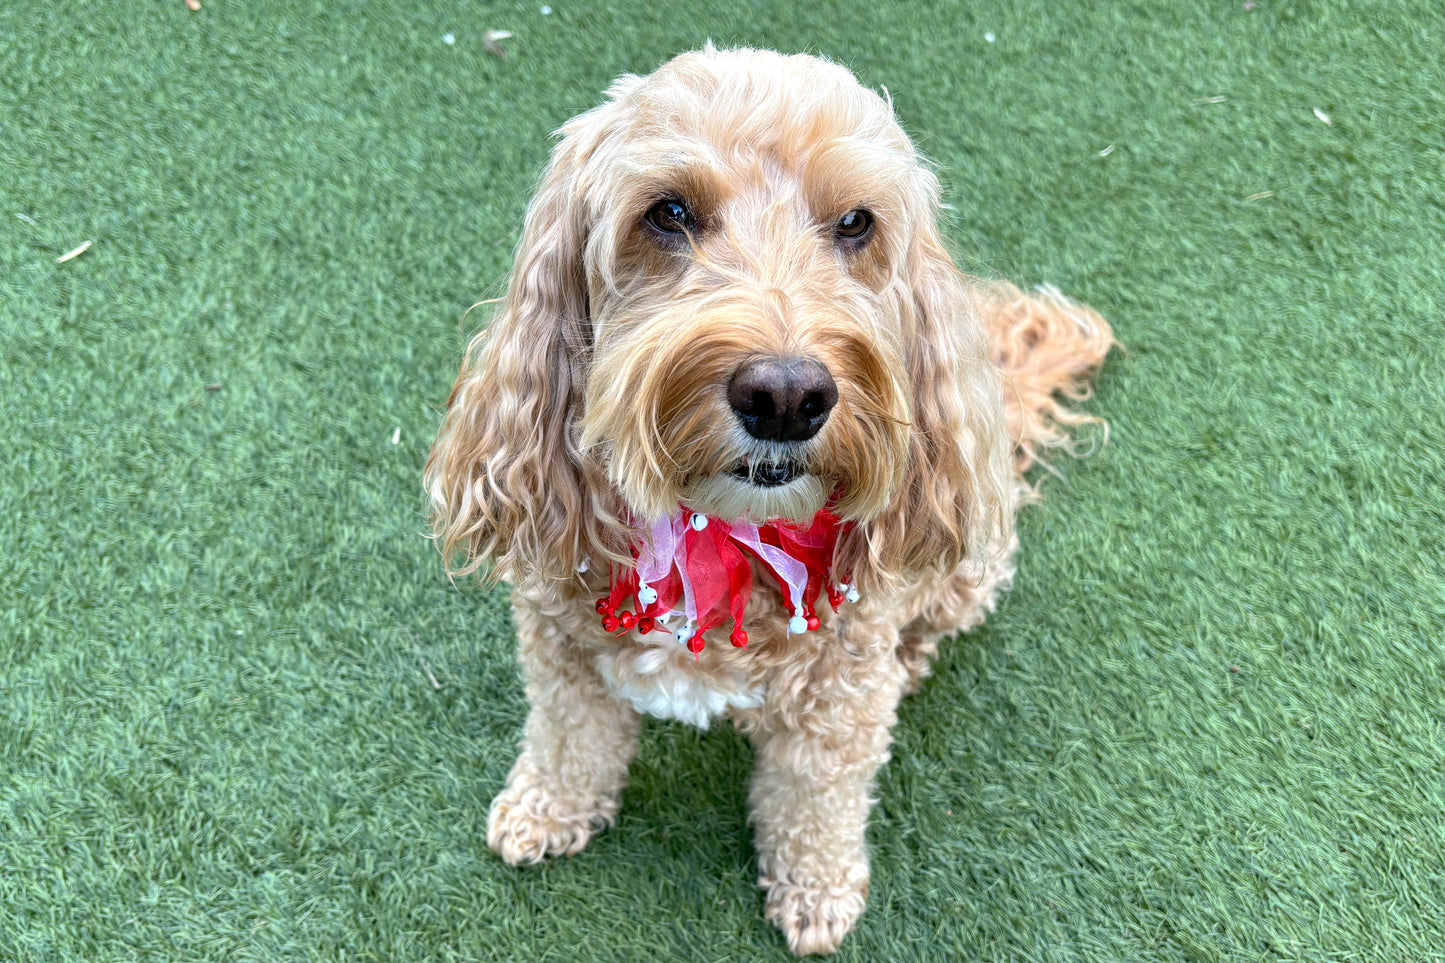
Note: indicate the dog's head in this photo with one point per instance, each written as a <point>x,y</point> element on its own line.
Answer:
<point>730,293</point>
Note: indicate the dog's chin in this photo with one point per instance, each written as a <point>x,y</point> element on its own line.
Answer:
<point>794,497</point>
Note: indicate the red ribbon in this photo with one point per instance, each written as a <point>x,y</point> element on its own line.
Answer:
<point>715,569</point>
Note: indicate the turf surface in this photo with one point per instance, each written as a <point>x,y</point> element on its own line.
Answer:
<point>1205,726</point>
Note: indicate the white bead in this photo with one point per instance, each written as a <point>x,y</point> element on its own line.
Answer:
<point>584,566</point>
<point>698,521</point>
<point>646,595</point>
<point>797,625</point>
<point>852,594</point>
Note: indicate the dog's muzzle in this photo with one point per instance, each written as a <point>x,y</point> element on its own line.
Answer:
<point>769,474</point>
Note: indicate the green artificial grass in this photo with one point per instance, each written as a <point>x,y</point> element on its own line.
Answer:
<point>1206,724</point>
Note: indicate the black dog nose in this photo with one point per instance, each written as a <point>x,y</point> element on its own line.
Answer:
<point>782,399</point>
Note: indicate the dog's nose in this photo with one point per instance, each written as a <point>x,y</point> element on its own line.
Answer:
<point>782,399</point>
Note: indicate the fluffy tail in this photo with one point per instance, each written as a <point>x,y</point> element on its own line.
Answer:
<point>1049,348</point>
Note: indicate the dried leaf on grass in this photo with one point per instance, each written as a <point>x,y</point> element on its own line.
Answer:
<point>73,253</point>
<point>491,41</point>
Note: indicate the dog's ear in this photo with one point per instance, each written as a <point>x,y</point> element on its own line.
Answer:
<point>507,483</point>
<point>956,500</point>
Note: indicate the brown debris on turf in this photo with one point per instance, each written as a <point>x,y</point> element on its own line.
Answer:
<point>491,41</point>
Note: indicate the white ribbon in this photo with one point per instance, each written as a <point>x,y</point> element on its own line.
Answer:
<point>794,572</point>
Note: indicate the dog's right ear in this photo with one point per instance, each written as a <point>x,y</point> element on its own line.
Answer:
<point>507,482</point>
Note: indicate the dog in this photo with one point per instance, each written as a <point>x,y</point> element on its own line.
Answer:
<point>736,381</point>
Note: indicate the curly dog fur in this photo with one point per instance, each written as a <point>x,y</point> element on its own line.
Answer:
<point>598,399</point>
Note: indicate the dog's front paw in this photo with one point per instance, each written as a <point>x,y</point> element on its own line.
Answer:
<point>815,916</point>
<point>530,820</point>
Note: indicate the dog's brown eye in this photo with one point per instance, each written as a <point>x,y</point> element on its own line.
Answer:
<point>855,226</point>
<point>670,216</point>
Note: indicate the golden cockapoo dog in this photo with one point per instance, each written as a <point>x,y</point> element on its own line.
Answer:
<point>731,307</point>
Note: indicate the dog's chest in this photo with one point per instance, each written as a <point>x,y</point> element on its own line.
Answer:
<point>659,677</point>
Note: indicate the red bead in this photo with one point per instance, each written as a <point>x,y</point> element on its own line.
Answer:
<point>604,607</point>
<point>627,619</point>
<point>610,623</point>
<point>813,623</point>
<point>695,644</point>
<point>645,625</point>
<point>739,638</point>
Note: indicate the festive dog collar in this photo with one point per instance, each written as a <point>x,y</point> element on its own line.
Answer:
<point>692,573</point>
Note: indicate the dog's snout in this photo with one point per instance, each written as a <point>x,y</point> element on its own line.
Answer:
<point>782,399</point>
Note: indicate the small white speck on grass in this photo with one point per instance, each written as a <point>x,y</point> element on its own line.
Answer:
<point>1107,151</point>
<point>73,253</point>
<point>546,11</point>
<point>1208,100</point>
<point>491,42</point>
<point>396,436</point>
<point>1258,197</point>
<point>1324,118</point>
<point>431,676</point>
<point>425,665</point>
<point>990,38</point>
<point>449,38</point>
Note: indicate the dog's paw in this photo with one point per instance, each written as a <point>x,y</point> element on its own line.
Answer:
<point>528,823</point>
<point>815,917</point>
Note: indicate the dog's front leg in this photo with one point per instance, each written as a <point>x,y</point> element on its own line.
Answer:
<point>820,739</point>
<point>579,740</point>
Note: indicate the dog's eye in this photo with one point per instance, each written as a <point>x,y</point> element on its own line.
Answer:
<point>855,227</point>
<point>670,216</point>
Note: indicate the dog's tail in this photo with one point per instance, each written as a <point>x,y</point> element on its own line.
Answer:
<point>1049,348</point>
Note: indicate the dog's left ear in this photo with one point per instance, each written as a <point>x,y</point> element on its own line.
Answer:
<point>956,500</point>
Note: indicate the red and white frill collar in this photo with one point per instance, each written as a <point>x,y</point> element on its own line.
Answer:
<point>692,573</point>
